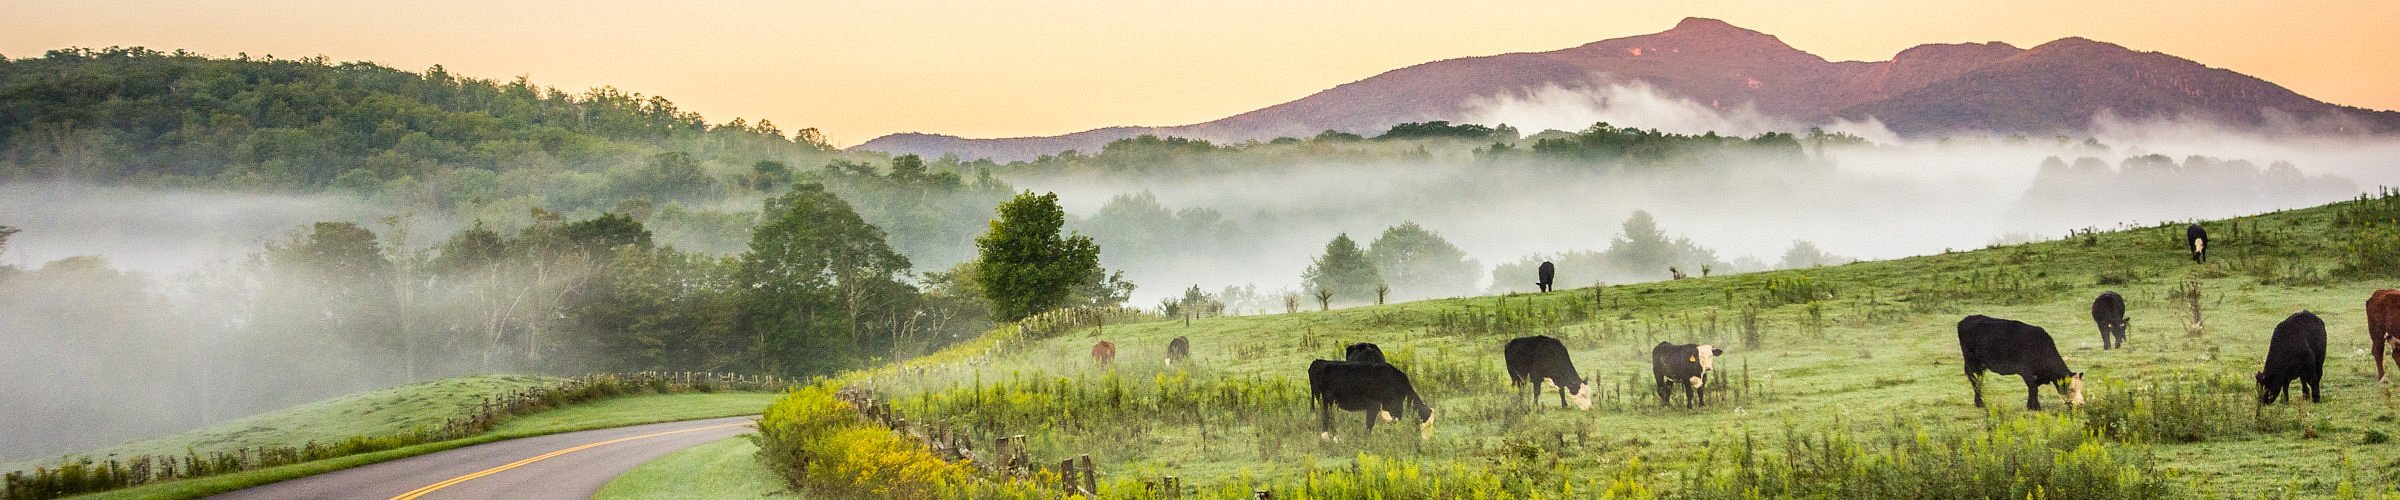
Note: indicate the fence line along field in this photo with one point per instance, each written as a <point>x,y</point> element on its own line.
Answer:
<point>1836,381</point>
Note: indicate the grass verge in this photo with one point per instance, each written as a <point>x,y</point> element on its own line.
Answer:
<point>600,415</point>
<point>724,469</point>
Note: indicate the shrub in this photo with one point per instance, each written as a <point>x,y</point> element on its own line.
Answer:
<point>2183,408</point>
<point>2031,456</point>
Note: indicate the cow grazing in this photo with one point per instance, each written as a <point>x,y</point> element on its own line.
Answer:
<point>1684,365</point>
<point>1536,359</point>
<point>1180,348</point>
<point>1544,276</point>
<point>2109,312</point>
<point>1104,353</point>
<point>1363,353</point>
<point>2296,352</point>
<point>2383,327</point>
<point>1375,388</point>
<point>2196,239</point>
<point>2009,347</point>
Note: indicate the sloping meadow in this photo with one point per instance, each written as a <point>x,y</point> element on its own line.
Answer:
<point>1839,381</point>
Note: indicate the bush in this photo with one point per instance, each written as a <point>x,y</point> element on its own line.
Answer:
<point>822,445</point>
<point>2183,408</point>
<point>2031,456</point>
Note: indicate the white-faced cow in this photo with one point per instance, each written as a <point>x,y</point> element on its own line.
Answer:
<point>1178,349</point>
<point>2296,353</point>
<point>2196,239</point>
<point>2009,347</point>
<point>1537,359</point>
<point>1545,275</point>
<point>1375,388</point>
<point>2383,327</point>
<point>1684,365</point>
<point>2109,312</point>
<point>1363,353</point>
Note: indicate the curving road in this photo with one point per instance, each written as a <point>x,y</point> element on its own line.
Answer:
<point>562,466</point>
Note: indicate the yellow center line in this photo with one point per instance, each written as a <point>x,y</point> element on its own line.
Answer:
<point>413,494</point>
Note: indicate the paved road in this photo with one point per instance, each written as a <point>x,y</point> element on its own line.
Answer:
<point>563,466</point>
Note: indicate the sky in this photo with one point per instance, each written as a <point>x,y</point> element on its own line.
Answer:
<point>857,70</point>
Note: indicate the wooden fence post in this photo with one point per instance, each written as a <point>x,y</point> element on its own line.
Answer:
<point>1091,480</point>
<point>1066,476</point>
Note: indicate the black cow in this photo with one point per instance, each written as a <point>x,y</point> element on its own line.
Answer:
<point>2109,312</point>
<point>1178,349</point>
<point>1363,353</point>
<point>1532,360</point>
<point>2297,352</point>
<point>1686,365</point>
<point>2196,239</point>
<point>1375,388</point>
<point>1544,275</point>
<point>2009,347</point>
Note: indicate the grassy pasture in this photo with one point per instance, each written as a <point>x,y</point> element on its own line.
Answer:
<point>1859,359</point>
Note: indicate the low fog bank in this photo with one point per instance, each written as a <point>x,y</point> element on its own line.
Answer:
<point>1869,202</point>
<point>155,231</point>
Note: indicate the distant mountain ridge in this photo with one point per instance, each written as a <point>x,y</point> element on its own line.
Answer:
<point>1925,90</point>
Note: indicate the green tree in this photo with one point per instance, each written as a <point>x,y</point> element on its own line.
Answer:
<point>1025,266</point>
<point>821,284</point>
<point>1418,263</point>
<point>1344,270</point>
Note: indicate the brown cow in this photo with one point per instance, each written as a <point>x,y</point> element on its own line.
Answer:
<point>2383,327</point>
<point>1104,353</point>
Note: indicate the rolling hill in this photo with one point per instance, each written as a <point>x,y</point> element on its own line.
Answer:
<point>1837,382</point>
<point>1922,91</point>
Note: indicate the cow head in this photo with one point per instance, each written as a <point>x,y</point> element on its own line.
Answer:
<point>2265,394</point>
<point>1706,356</point>
<point>2074,389</point>
<point>1581,396</point>
<point>1425,428</point>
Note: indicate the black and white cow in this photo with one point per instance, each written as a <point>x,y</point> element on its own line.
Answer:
<point>1684,365</point>
<point>1363,353</point>
<point>2108,311</point>
<point>2296,353</point>
<point>1178,349</point>
<point>2009,347</point>
<point>1537,359</point>
<point>1375,388</point>
<point>1545,275</point>
<point>2196,239</point>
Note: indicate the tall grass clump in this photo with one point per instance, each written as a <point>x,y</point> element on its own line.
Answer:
<point>2028,456</point>
<point>2184,408</point>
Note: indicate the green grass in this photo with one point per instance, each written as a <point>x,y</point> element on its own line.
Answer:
<point>723,469</point>
<point>599,415</point>
<point>1879,356</point>
<point>378,412</point>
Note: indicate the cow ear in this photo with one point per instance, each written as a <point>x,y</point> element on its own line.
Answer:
<point>1716,352</point>
<point>2078,375</point>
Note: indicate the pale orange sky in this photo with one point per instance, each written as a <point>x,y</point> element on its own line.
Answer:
<point>860,69</point>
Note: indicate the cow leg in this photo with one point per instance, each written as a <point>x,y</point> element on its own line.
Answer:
<point>1665,398</point>
<point>1325,420</point>
<point>2379,341</point>
<point>1371,420</point>
<point>1562,397</point>
<point>2033,395</point>
<point>2309,383</point>
<point>1689,396</point>
<point>1975,381</point>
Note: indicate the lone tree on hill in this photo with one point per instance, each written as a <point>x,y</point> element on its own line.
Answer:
<point>1025,266</point>
<point>1344,270</point>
